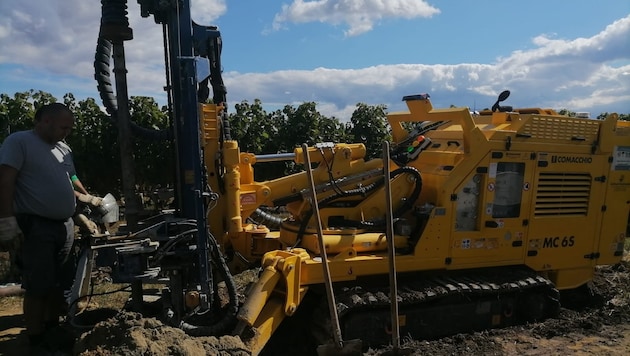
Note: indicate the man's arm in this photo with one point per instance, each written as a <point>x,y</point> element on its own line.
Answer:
<point>78,186</point>
<point>8,178</point>
<point>82,194</point>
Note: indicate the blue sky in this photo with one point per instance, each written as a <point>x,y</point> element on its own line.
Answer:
<point>570,54</point>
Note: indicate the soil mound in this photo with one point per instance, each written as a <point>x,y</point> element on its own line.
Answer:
<point>128,333</point>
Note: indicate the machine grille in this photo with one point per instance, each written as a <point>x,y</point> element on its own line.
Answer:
<point>562,194</point>
<point>562,129</point>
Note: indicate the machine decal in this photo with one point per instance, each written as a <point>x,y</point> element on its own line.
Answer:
<point>621,158</point>
<point>557,241</point>
<point>478,243</point>
<point>571,159</point>
<point>491,187</point>
<point>492,170</point>
<point>526,186</point>
<point>248,199</point>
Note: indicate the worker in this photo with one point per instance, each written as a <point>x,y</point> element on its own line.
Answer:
<point>37,199</point>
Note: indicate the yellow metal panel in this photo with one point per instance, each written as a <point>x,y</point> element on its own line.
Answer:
<point>563,227</point>
<point>617,205</point>
<point>499,237</point>
<point>570,278</point>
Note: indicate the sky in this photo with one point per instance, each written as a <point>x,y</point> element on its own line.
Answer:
<point>560,54</point>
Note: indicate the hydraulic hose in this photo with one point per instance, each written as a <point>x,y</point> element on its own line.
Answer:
<point>375,223</point>
<point>344,193</point>
<point>408,202</point>
<point>229,318</point>
<point>270,220</point>
<point>114,22</point>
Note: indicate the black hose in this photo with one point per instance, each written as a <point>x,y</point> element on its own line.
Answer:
<point>408,202</point>
<point>270,220</point>
<point>229,318</point>
<point>338,194</point>
<point>374,223</point>
<point>114,13</point>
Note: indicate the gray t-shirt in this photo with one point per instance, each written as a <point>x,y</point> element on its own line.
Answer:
<point>43,184</point>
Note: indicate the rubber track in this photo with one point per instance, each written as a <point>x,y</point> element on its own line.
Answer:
<point>422,290</point>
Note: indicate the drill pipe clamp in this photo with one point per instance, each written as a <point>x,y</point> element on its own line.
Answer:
<point>288,263</point>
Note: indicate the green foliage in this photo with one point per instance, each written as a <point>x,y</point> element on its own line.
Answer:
<point>254,129</point>
<point>16,113</point>
<point>155,160</point>
<point>281,131</point>
<point>94,139</point>
<point>95,146</point>
<point>369,126</point>
<point>622,117</point>
<point>566,112</point>
<point>602,116</point>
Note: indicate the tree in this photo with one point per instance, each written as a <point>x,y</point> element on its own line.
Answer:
<point>253,128</point>
<point>155,159</point>
<point>305,124</point>
<point>369,126</point>
<point>16,113</point>
<point>622,117</point>
<point>567,112</point>
<point>95,146</point>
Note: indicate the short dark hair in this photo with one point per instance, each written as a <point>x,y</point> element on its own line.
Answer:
<point>54,109</point>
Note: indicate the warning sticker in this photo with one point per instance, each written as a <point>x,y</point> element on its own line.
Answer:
<point>621,158</point>
<point>492,170</point>
<point>248,199</point>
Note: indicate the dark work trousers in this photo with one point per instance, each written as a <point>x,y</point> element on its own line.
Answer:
<point>47,269</point>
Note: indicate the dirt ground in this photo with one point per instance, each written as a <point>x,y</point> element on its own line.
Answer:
<point>600,326</point>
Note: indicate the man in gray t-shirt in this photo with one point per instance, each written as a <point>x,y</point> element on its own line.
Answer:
<point>43,186</point>
<point>37,197</point>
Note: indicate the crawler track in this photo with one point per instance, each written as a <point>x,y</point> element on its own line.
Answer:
<point>432,306</point>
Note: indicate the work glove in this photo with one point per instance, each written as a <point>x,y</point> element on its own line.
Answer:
<point>9,231</point>
<point>85,224</point>
<point>90,200</point>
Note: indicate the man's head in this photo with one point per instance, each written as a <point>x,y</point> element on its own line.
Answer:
<point>53,122</point>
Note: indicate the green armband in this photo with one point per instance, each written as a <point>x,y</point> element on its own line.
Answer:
<point>74,178</point>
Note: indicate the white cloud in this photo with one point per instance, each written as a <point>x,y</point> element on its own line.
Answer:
<point>38,36</point>
<point>359,15</point>
<point>576,74</point>
<point>206,11</point>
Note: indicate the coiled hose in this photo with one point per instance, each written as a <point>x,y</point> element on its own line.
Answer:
<point>114,14</point>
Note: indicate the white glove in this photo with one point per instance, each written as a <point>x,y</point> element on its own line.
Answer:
<point>83,222</point>
<point>9,228</point>
<point>90,199</point>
